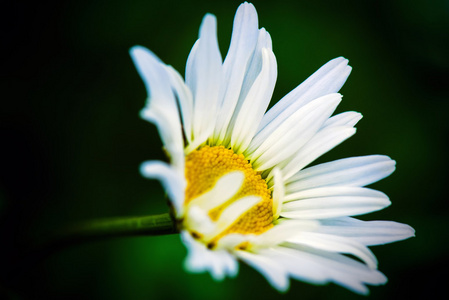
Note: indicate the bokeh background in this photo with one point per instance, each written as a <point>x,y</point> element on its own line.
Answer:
<point>72,141</point>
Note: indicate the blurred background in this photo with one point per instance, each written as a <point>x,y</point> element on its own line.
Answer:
<point>72,141</point>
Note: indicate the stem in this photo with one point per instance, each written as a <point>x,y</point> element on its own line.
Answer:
<point>91,231</point>
<point>115,227</point>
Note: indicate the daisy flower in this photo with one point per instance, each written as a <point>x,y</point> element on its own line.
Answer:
<point>238,178</point>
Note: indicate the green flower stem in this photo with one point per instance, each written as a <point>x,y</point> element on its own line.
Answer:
<point>117,227</point>
<point>95,230</point>
<point>89,231</point>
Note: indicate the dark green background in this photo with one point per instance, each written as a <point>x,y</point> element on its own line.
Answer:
<point>72,141</point>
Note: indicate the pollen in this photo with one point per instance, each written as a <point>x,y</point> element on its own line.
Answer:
<point>206,165</point>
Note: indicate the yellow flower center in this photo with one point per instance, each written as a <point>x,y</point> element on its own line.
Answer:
<point>208,164</point>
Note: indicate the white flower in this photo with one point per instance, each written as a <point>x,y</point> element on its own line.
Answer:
<point>237,177</point>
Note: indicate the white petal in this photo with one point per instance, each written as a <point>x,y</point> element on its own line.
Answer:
<point>230,241</point>
<point>167,126</point>
<point>151,69</point>
<point>337,244</point>
<point>338,268</point>
<point>325,139</point>
<point>199,259</point>
<point>232,213</point>
<point>348,118</point>
<point>243,42</point>
<point>225,188</point>
<point>161,108</point>
<point>257,88</point>
<point>354,171</point>
<point>331,202</point>
<point>268,149</point>
<point>197,220</point>
<point>204,77</point>
<point>282,232</point>
<point>367,232</point>
<point>255,64</point>
<point>185,100</point>
<point>190,65</point>
<point>248,114</point>
<point>273,272</point>
<point>328,79</point>
<point>278,193</point>
<point>172,181</point>
<point>298,265</point>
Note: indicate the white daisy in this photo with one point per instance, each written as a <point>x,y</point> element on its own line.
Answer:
<point>237,177</point>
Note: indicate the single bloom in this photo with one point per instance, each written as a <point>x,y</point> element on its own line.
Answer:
<point>238,178</point>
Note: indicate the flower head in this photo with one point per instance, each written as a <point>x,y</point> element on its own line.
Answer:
<point>238,179</point>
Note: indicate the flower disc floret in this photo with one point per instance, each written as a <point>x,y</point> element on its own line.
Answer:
<point>204,167</point>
